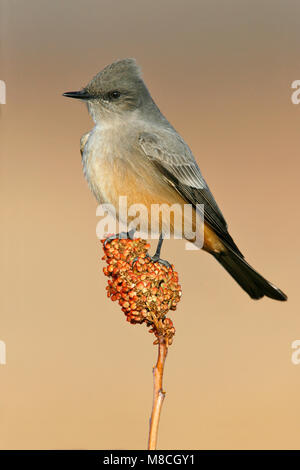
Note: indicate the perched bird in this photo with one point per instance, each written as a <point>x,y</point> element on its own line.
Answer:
<point>134,151</point>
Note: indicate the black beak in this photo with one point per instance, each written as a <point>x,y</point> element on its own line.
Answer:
<point>80,95</point>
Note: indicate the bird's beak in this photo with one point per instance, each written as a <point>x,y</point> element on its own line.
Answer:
<point>80,95</point>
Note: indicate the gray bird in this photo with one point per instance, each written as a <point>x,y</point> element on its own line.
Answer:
<point>134,151</point>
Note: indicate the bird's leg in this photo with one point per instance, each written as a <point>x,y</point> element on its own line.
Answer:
<point>120,235</point>
<point>156,257</point>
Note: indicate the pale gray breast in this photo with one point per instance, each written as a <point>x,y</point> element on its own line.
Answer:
<point>94,162</point>
<point>102,149</point>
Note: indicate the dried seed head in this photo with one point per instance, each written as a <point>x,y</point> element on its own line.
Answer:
<point>145,290</point>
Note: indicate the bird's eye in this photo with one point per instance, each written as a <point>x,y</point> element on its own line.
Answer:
<point>113,95</point>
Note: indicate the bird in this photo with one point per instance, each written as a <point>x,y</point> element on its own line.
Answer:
<point>133,150</point>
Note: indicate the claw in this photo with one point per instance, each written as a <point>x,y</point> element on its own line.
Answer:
<point>156,259</point>
<point>109,239</point>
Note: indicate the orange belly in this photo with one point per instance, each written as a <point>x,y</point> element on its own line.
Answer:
<point>143,185</point>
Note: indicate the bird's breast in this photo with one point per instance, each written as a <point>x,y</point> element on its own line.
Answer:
<point>103,161</point>
<point>114,167</point>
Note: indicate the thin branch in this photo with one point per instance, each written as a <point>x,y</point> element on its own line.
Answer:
<point>158,393</point>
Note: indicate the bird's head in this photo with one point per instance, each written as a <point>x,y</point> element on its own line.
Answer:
<point>117,89</point>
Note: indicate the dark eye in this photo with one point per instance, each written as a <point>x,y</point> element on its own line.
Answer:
<point>113,95</point>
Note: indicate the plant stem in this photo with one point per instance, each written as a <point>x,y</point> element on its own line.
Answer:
<point>158,393</point>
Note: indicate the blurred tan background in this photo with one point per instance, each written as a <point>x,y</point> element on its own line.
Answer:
<point>77,375</point>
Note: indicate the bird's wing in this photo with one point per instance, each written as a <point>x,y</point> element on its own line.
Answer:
<point>174,159</point>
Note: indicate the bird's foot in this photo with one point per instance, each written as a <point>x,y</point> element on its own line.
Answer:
<point>121,235</point>
<point>156,259</point>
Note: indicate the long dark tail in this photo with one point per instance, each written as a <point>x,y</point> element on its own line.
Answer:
<point>249,280</point>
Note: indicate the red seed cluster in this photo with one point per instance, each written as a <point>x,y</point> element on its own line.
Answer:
<point>145,290</point>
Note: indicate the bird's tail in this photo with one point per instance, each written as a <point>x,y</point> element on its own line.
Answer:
<point>249,279</point>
